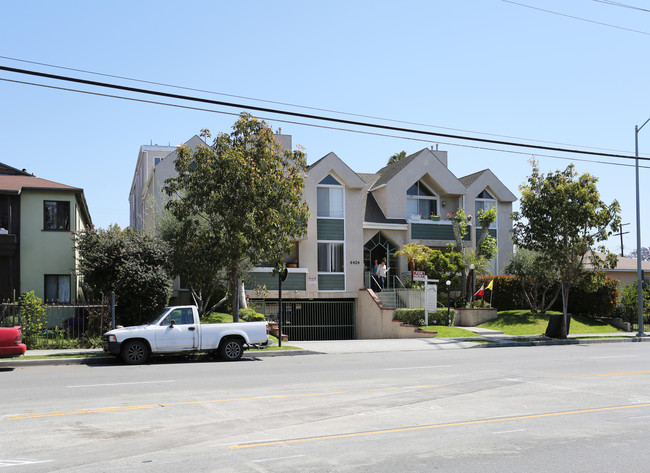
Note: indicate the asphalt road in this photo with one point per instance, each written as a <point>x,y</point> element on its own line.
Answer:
<point>527,409</point>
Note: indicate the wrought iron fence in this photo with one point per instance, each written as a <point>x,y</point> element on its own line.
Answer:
<point>312,320</point>
<point>58,325</point>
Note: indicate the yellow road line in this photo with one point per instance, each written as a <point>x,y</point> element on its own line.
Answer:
<point>429,427</point>
<point>212,401</point>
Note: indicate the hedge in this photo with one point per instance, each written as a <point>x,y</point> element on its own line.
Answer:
<point>416,317</point>
<point>507,294</point>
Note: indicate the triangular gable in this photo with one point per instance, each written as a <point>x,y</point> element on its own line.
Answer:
<point>486,179</point>
<point>331,163</point>
<point>426,163</point>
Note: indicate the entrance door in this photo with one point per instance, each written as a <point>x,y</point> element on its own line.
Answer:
<point>378,248</point>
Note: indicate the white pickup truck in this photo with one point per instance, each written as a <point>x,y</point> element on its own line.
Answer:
<point>178,330</point>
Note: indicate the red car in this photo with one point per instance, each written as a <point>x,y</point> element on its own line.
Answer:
<point>10,342</point>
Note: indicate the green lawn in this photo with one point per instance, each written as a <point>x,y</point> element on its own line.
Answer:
<point>517,322</point>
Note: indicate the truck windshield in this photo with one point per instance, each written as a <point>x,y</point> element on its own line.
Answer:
<point>158,316</point>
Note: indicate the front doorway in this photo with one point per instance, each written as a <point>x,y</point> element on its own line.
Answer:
<point>377,248</point>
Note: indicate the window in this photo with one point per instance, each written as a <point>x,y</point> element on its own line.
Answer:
<point>179,316</point>
<point>56,215</point>
<point>330,198</point>
<point>57,288</point>
<point>330,257</point>
<point>484,201</point>
<point>421,201</point>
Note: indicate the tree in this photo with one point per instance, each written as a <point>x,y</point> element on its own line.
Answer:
<point>130,263</point>
<point>190,243</point>
<point>396,157</point>
<point>562,216</point>
<point>645,254</point>
<point>538,277</point>
<point>247,190</point>
<point>415,253</point>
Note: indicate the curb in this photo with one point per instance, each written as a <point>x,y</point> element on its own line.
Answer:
<point>109,359</point>
<point>257,354</point>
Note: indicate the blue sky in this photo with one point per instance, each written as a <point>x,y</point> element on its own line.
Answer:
<point>484,66</point>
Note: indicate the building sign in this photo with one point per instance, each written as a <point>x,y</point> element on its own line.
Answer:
<point>419,276</point>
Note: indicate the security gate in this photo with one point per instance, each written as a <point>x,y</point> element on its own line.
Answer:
<point>313,320</point>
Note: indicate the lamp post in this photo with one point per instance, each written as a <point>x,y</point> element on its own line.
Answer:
<point>471,269</point>
<point>448,283</point>
<point>639,276</point>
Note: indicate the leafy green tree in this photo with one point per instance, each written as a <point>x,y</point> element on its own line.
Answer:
<point>129,262</point>
<point>396,157</point>
<point>248,191</point>
<point>192,257</point>
<point>538,277</point>
<point>562,216</point>
<point>415,253</point>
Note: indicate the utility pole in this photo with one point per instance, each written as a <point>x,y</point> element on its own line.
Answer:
<point>621,233</point>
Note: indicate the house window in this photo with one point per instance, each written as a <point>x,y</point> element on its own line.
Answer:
<point>330,257</point>
<point>56,215</point>
<point>420,201</point>
<point>330,198</point>
<point>57,288</point>
<point>484,201</point>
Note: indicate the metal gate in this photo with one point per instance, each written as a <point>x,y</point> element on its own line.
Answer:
<point>312,320</point>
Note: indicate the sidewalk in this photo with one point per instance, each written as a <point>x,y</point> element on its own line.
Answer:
<point>484,339</point>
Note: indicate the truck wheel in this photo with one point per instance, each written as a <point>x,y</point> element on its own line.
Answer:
<point>231,349</point>
<point>135,352</point>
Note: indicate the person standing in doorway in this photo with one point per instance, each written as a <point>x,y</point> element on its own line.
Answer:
<point>375,273</point>
<point>382,273</point>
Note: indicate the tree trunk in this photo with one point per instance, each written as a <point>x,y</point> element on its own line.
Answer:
<point>234,292</point>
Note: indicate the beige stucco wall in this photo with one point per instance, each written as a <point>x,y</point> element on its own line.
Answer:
<point>428,168</point>
<point>46,252</point>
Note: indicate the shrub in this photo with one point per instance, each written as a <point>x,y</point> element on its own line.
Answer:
<point>507,293</point>
<point>32,316</point>
<point>597,301</point>
<point>249,315</point>
<point>416,317</point>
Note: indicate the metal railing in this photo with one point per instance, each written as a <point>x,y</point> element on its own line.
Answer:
<point>56,324</point>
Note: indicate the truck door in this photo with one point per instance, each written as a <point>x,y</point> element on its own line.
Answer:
<point>178,331</point>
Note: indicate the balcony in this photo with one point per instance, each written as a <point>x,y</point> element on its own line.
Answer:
<point>8,244</point>
<point>434,230</point>
<point>296,279</point>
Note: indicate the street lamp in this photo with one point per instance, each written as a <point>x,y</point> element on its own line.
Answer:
<point>448,283</point>
<point>471,269</point>
<point>639,276</point>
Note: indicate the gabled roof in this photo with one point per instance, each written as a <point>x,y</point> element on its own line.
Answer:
<point>5,169</point>
<point>331,162</point>
<point>16,184</point>
<point>391,170</point>
<point>471,178</point>
<point>480,180</point>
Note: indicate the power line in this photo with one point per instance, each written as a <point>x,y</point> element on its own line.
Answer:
<point>576,17</point>
<point>314,125</point>
<point>619,4</point>
<point>311,116</point>
<point>292,105</point>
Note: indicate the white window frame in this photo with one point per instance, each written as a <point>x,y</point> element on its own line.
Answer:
<point>330,188</point>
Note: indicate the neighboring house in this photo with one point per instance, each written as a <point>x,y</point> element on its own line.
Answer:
<point>37,221</point>
<point>625,270</point>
